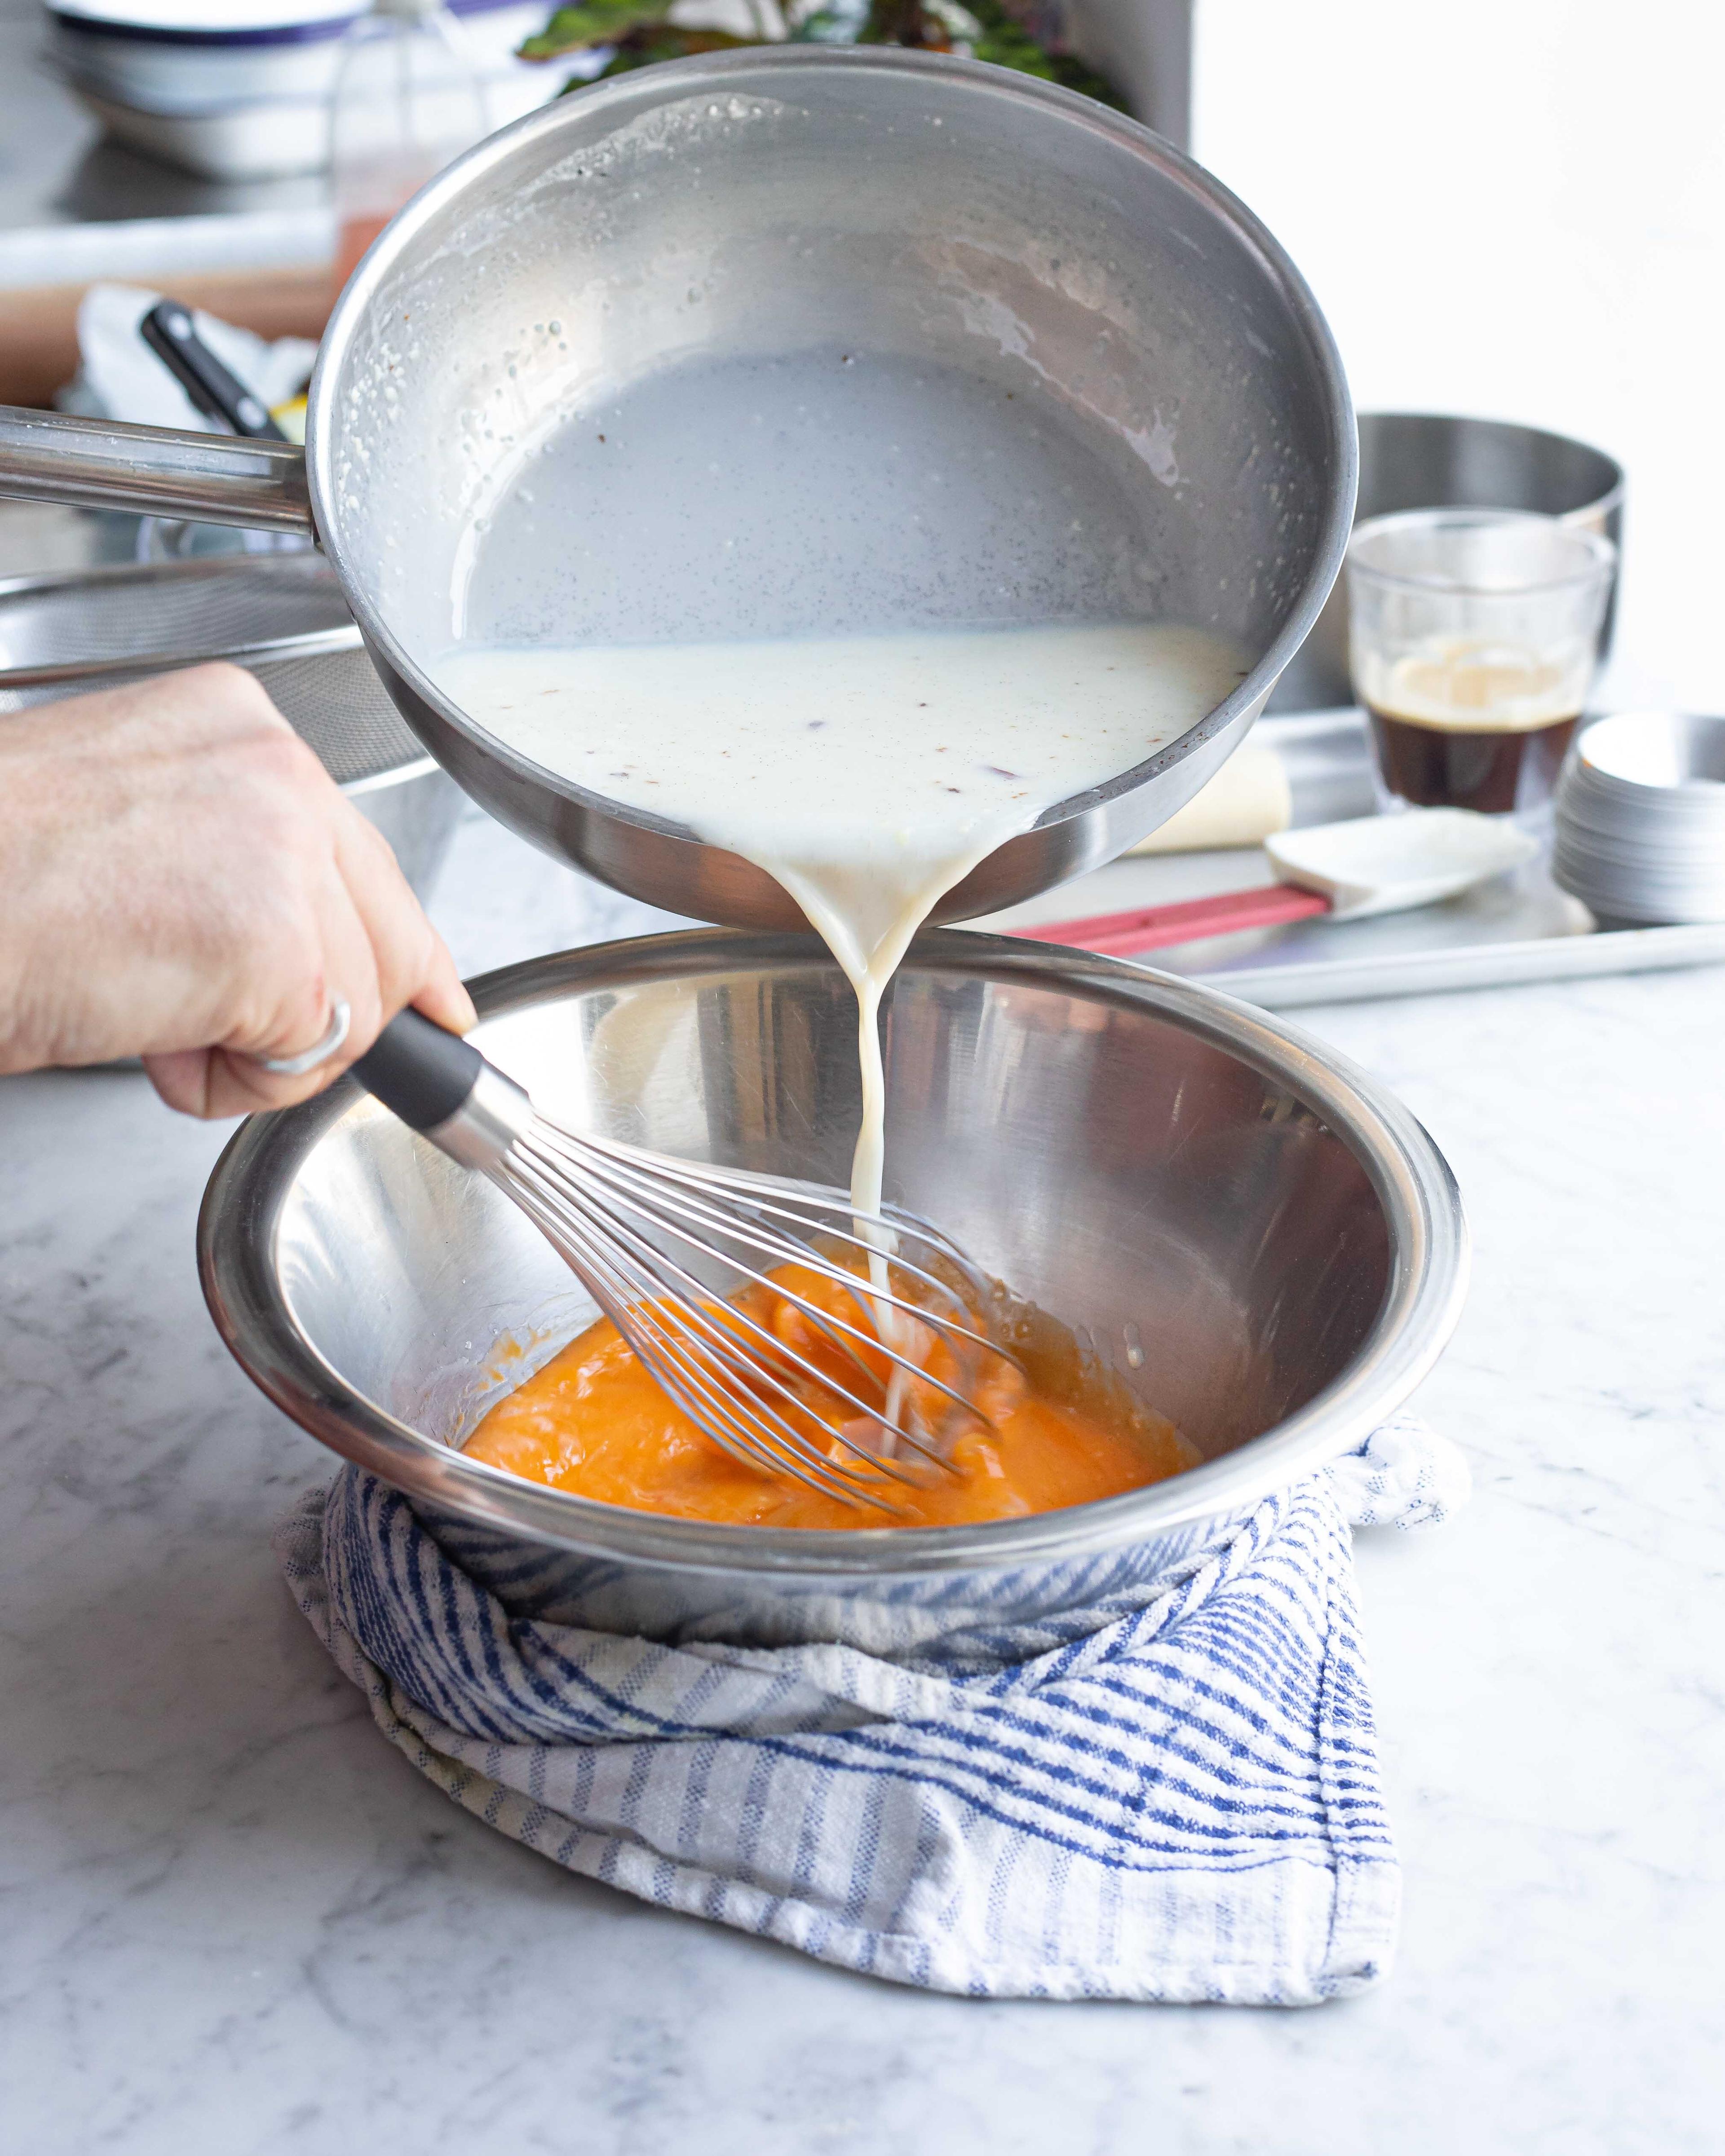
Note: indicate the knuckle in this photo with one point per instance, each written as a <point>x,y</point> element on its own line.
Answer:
<point>373,840</point>
<point>406,958</point>
<point>282,756</point>
<point>290,1011</point>
<point>365,1024</point>
<point>219,698</point>
<point>303,1012</point>
<point>232,688</point>
<point>235,705</point>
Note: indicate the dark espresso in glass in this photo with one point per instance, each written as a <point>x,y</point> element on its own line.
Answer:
<point>1489,769</point>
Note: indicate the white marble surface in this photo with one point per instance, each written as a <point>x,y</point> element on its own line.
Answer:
<point>234,1919</point>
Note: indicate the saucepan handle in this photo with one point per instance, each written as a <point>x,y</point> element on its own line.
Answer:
<point>99,464</point>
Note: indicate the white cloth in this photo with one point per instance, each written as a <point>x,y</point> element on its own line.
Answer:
<point>1172,1797</point>
<point>119,377</point>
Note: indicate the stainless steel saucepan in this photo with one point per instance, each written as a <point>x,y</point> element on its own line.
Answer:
<point>1249,1234</point>
<point>888,206</point>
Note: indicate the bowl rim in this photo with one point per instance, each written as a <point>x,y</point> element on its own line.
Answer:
<point>1612,478</point>
<point>273,23</point>
<point>1428,1247</point>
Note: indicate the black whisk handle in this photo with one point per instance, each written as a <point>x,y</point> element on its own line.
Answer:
<point>420,1071</point>
<point>169,331</point>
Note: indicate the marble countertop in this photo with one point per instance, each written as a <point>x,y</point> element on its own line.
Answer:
<point>234,1919</point>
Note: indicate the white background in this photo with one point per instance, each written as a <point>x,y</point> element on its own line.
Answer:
<point>1513,209</point>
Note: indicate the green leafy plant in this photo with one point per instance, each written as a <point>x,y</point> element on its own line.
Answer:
<point>638,32</point>
<point>1008,43</point>
<point>600,23</point>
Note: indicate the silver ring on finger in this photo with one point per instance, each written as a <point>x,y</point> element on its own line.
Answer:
<point>321,1051</point>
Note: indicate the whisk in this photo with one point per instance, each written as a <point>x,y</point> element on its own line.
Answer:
<point>662,1245</point>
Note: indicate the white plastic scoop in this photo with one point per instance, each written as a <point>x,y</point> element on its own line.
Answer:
<point>1369,865</point>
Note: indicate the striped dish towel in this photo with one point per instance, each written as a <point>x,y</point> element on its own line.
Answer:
<point>1179,1798</point>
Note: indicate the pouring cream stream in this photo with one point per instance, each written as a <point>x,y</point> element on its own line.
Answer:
<point>867,774</point>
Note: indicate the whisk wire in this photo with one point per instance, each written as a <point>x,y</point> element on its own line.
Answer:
<point>664,1350</point>
<point>590,1152</point>
<point>752,1370</point>
<point>780,1249</point>
<point>628,1297</point>
<point>789,1455</point>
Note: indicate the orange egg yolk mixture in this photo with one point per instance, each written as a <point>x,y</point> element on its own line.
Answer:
<point>594,1421</point>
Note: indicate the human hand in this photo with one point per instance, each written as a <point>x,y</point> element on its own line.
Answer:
<point>181,880</point>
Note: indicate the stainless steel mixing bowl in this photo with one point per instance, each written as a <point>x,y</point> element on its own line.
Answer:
<point>1249,1232</point>
<point>770,204</point>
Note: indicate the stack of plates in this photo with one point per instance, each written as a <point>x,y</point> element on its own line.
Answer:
<point>1640,818</point>
<point>239,89</point>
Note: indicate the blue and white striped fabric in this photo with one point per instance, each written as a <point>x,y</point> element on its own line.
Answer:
<point>1180,1802</point>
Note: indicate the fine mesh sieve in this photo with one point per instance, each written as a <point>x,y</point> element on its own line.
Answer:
<point>337,706</point>
<point>167,614</point>
<point>284,618</point>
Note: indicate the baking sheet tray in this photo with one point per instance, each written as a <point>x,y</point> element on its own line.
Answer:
<point>1517,928</point>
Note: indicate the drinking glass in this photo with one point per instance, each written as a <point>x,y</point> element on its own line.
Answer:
<point>1474,635</point>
